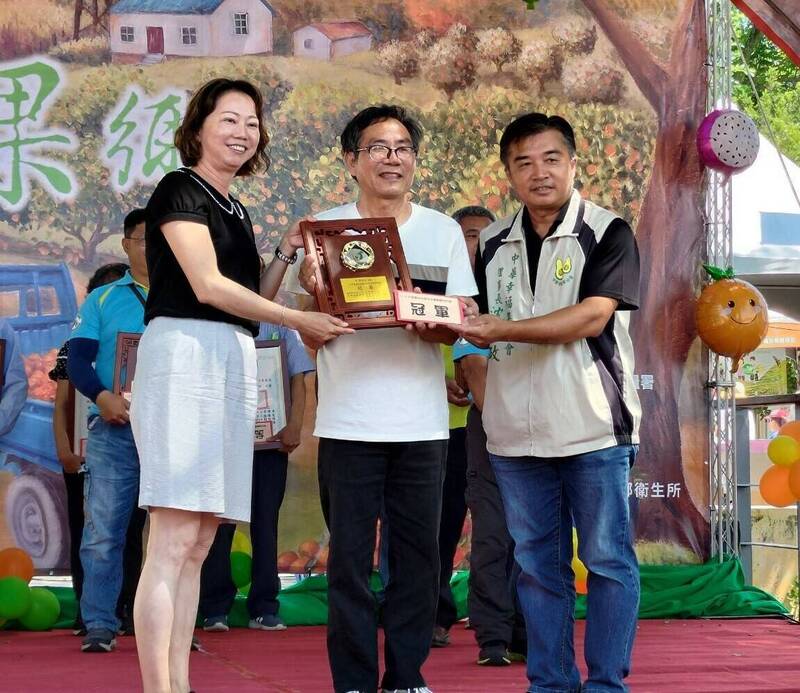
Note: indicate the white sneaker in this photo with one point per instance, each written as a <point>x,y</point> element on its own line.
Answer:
<point>423,689</point>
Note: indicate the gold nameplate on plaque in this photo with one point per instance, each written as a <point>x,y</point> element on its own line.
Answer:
<point>358,289</point>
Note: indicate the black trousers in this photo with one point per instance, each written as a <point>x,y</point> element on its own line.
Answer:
<point>493,610</point>
<point>74,487</point>
<point>217,590</point>
<point>131,558</point>
<point>356,479</point>
<point>454,510</point>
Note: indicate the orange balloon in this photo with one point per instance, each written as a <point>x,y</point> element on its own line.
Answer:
<point>774,487</point>
<point>581,587</point>
<point>794,479</point>
<point>15,562</point>
<point>792,429</point>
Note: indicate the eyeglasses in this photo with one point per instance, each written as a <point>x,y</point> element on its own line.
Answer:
<point>380,152</point>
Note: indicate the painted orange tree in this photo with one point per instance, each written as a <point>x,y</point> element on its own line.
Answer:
<point>671,235</point>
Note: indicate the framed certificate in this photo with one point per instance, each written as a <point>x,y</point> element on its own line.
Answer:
<point>274,403</point>
<point>78,420</point>
<point>125,363</point>
<point>272,412</point>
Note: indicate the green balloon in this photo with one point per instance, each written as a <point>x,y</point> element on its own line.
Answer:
<point>44,611</point>
<point>15,597</point>
<point>241,568</point>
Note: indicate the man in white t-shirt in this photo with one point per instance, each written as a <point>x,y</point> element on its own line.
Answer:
<point>382,421</point>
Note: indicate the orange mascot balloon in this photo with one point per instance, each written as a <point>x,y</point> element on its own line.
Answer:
<point>731,316</point>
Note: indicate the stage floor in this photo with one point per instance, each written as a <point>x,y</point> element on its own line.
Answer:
<point>703,656</point>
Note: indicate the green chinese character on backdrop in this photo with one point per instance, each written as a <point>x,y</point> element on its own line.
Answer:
<point>160,152</point>
<point>26,91</point>
<point>140,136</point>
<point>120,122</point>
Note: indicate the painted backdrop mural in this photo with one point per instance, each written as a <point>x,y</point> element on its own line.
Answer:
<point>90,98</point>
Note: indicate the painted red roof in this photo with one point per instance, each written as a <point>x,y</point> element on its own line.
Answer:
<point>336,31</point>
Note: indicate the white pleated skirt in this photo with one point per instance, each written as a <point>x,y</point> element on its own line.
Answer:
<point>193,406</point>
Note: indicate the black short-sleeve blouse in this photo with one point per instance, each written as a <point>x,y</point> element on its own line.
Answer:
<point>184,195</point>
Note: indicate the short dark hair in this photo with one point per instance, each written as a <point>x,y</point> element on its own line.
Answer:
<point>473,211</point>
<point>202,103</point>
<point>105,274</point>
<point>533,124</point>
<point>351,135</point>
<point>132,220</point>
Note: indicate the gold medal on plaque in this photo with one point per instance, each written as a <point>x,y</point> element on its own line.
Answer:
<point>357,255</point>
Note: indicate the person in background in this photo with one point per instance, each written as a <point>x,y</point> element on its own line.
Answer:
<point>499,627</point>
<point>72,464</point>
<point>111,480</point>
<point>472,220</point>
<point>217,590</point>
<point>454,507</point>
<point>492,604</point>
<point>498,624</point>
<point>775,421</point>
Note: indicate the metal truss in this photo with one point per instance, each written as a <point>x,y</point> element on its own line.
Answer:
<point>719,247</point>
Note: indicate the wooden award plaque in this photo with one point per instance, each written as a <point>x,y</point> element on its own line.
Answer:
<point>125,363</point>
<point>360,264</point>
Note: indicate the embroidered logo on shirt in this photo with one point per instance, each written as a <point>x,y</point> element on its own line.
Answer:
<point>563,271</point>
<point>77,322</point>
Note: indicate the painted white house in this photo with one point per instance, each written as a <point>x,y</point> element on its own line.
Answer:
<point>189,28</point>
<point>329,40</point>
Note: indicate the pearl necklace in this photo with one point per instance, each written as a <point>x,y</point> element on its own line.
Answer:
<point>234,206</point>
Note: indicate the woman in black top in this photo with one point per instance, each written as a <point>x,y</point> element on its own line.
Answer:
<point>194,396</point>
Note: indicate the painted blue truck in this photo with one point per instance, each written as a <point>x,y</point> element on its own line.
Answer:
<point>39,302</point>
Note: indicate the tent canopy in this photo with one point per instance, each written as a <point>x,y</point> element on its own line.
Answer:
<point>766,229</point>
